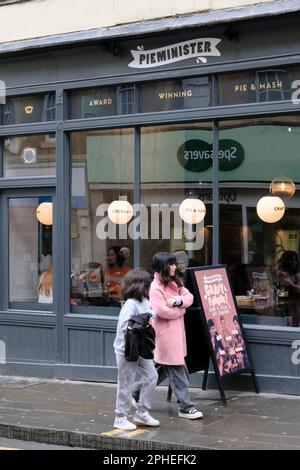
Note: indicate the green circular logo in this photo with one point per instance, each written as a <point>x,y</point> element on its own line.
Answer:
<point>195,155</point>
<point>231,154</point>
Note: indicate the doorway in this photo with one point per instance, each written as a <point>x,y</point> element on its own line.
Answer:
<point>28,249</point>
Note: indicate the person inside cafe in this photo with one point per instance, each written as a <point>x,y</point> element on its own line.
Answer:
<point>45,293</point>
<point>126,254</point>
<point>182,262</point>
<point>115,273</point>
<point>289,281</point>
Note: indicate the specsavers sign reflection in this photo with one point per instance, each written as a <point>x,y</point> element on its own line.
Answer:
<point>196,155</point>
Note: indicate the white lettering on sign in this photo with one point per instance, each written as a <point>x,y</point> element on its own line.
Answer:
<point>228,154</point>
<point>241,87</point>
<point>214,278</point>
<point>198,48</point>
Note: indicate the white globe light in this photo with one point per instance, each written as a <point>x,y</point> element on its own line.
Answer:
<point>120,212</point>
<point>192,211</point>
<point>44,213</point>
<point>270,209</point>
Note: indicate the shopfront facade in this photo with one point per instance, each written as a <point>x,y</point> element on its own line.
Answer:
<point>208,114</point>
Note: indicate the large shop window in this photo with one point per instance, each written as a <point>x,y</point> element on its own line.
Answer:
<point>261,246</point>
<point>176,184</point>
<point>29,155</point>
<point>30,253</point>
<point>101,248</point>
<point>176,177</point>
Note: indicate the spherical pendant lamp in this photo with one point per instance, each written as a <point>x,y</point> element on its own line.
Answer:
<point>192,211</point>
<point>44,213</point>
<point>282,186</point>
<point>270,209</point>
<point>120,212</point>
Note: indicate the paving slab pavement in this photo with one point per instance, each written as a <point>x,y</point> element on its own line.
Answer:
<point>81,414</point>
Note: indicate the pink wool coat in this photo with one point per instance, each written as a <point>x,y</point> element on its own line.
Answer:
<point>170,341</point>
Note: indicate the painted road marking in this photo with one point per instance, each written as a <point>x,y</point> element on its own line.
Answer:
<point>115,432</point>
<point>112,433</point>
<point>136,432</point>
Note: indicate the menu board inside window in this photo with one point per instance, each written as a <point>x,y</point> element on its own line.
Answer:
<point>257,86</point>
<point>28,109</point>
<point>168,95</point>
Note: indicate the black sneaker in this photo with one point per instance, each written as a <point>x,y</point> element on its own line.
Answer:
<point>192,413</point>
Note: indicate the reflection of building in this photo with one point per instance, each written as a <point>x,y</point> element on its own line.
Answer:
<point>32,155</point>
<point>103,120</point>
<point>272,85</point>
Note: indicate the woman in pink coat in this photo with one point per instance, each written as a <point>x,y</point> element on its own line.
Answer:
<point>169,299</point>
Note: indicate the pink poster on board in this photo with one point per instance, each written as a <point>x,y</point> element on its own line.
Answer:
<point>222,320</point>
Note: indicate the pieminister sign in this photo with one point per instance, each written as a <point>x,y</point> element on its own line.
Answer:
<point>197,48</point>
<point>196,155</point>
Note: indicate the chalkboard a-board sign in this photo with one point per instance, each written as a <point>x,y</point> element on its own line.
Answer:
<point>221,323</point>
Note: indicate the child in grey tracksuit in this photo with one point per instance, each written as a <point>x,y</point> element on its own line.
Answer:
<point>135,292</point>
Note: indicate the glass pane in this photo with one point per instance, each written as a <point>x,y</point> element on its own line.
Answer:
<point>98,102</point>
<point>101,250</point>
<point>253,153</point>
<point>30,252</point>
<point>176,166</point>
<point>194,92</point>
<point>27,109</point>
<point>30,155</point>
<point>257,86</point>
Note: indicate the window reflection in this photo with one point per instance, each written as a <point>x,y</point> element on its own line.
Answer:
<point>30,254</point>
<point>28,109</point>
<point>30,155</point>
<point>253,250</point>
<point>175,166</point>
<point>101,251</point>
<point>166,95</point>
<point>187,93</point>
<point>259,86</point>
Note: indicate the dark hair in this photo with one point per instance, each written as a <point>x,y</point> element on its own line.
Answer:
<point>119,256</point>
<point>210,323</point>
<point>289,262</point>
<point>161,263</point>
<point>136,285</point>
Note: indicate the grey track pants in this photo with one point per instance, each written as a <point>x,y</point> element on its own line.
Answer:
<point>178,378</point>
<point>126,376</point>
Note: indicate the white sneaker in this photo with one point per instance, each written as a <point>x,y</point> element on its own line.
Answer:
<point>145,419</point>
<point>190,414</point>
<point>121,422</point>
